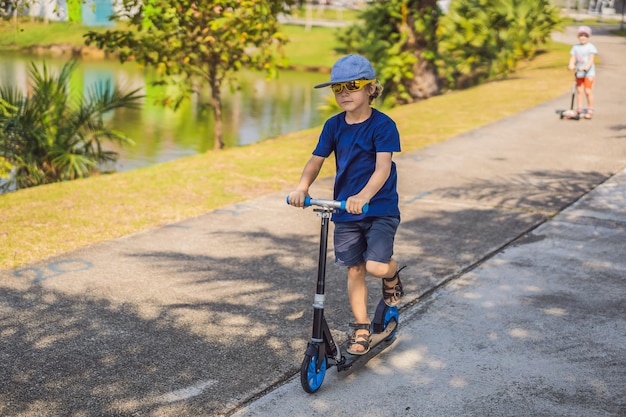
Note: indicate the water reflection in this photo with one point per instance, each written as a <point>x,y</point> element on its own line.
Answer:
<point>259,110</point>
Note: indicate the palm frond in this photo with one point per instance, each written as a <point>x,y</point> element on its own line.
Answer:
<point>50,135</point>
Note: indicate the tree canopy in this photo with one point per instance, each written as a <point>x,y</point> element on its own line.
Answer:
<point>417,50</point>
<point>486,39</point>
<point>194,44</point>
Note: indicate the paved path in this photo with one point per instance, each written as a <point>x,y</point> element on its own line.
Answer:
<point>537,330</point>
<point>514,234</point>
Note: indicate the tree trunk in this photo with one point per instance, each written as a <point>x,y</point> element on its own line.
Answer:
<point>216,103</point>
<point>425,82</point>
<point>46,19</point>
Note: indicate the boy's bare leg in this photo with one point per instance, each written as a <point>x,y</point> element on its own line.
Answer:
<point>589,94</point>
<point>386,271</point>
<point>357,286</point>
<point>580,92</point>
<point>357,291</point>
<point>381,270</point>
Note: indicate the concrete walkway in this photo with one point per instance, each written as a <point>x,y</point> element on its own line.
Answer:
<point>537,330</point>
<point>514,237</point>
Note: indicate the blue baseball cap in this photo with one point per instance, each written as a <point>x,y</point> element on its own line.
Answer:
<point>350,68</point>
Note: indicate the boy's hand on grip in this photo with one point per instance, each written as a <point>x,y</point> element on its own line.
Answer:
<point>355,204</point>
<point>296,198</point>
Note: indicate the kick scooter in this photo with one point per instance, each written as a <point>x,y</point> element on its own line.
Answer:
<point>322,351</point>
<point>571,113</point>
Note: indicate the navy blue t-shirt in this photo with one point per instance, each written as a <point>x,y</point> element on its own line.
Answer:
<point>355,147</point>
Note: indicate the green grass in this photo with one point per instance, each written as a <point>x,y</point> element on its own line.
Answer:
<point>619,32</point>
<point>597,20</point>
<point>311,49</point>
<point>326,13</point>
<point>593,20</point>
<point>32,33</point>
<point>47,220</point>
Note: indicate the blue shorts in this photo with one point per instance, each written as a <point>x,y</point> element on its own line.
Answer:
<point>365,240</point>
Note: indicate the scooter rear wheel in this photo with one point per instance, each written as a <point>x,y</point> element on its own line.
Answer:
<point>391,313</point>
<point>310,378</point>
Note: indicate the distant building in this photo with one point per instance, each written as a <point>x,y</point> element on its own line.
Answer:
<point>89,12</point>
<point>602,7</point>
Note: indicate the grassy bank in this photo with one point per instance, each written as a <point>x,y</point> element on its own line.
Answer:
<point>51,219</point>
<point>32,33</point>
<point>302,53</point>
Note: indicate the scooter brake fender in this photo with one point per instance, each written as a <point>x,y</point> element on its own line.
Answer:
<point>312,349</point>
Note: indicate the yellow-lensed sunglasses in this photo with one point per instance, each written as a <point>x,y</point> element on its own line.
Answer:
<point>350,86</point>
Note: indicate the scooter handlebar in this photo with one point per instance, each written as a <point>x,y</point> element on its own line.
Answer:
<point>341,205</point>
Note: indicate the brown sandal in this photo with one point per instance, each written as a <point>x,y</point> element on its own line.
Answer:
<point>394,293</point>
<point>361,339</point>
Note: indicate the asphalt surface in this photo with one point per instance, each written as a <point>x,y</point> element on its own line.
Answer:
<point>514,234</point>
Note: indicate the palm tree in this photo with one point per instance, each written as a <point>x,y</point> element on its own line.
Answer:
<point>53,136</point>
<point>398,36</point>
<point>5,110</point>
<point>486,39</point>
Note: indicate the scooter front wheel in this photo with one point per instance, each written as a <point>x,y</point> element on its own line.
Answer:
<point>310,378</point>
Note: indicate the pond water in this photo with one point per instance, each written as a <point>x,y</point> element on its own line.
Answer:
<point>258,110</point>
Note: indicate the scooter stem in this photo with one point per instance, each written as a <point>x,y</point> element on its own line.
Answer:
<point>318,305</point>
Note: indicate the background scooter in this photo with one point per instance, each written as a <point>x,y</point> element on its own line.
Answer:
<point>322,351</point>
<point>571,113</point>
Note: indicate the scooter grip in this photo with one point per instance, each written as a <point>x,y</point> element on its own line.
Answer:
<point>342,204</point>
<point>307,202</point>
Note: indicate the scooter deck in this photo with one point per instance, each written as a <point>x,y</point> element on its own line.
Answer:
<point>378,344</point>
